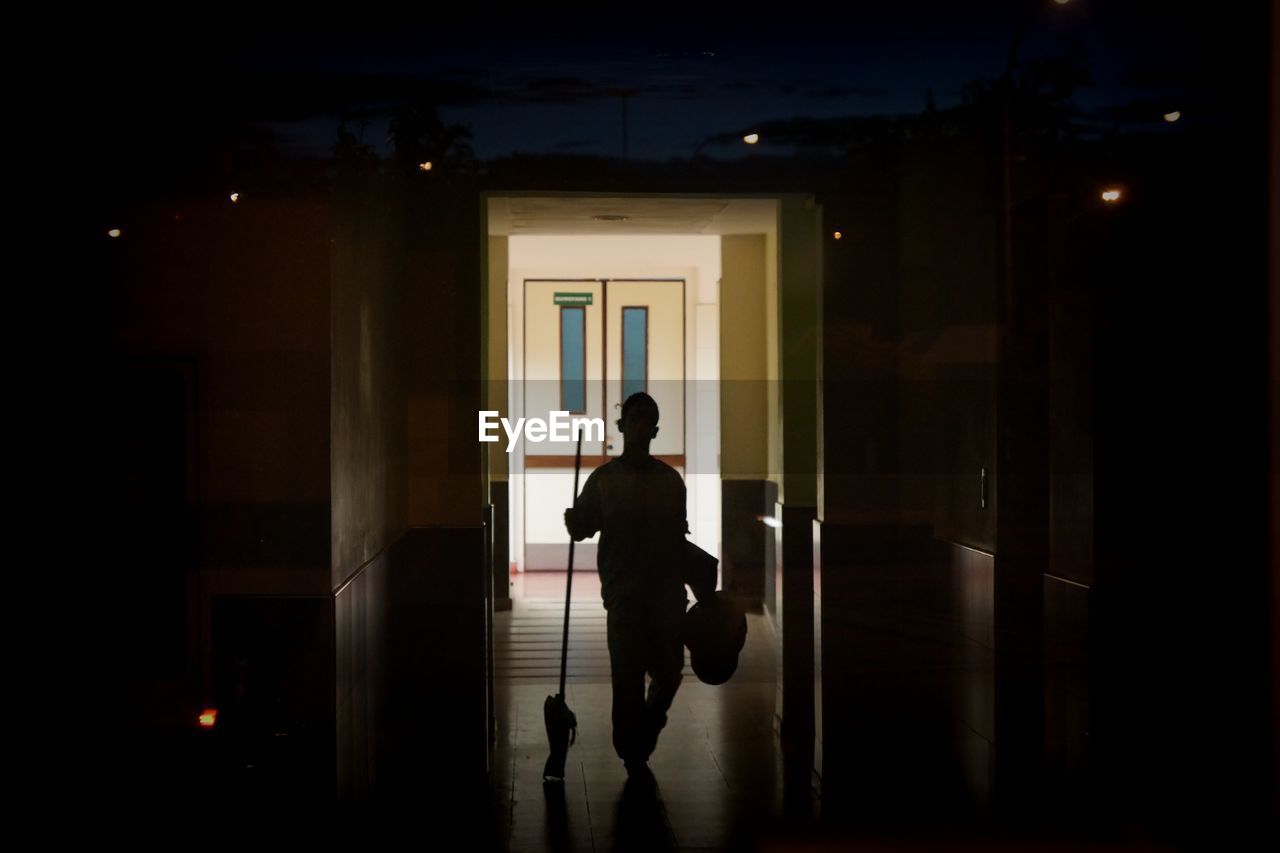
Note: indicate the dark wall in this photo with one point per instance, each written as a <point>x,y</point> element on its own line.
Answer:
<point>905,709</point>
<point>744,539</point>
<point>443,348</point>
<point>368,374</point>
<point>409,578</point>
<point>241,293</point>
<point>947,338</point>
<point>212,441</point>
<point>858,414</point>
<point>411,676</point>
<point>910,340</point>
<point>1179,523</point>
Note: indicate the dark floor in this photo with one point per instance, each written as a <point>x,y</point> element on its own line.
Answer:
<point>718,766</point>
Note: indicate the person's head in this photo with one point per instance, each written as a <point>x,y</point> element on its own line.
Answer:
<point>639,418</point>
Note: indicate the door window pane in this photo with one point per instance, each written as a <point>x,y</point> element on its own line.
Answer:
<point>573,360</point>
<point>635,350</point>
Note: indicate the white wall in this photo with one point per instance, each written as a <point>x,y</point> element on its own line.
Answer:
<point>696,259</point>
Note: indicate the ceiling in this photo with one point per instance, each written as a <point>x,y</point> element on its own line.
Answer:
<point>577,214</point>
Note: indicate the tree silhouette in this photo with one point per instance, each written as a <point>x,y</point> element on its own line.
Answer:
<point>353,157</point>
<point>418,135</point>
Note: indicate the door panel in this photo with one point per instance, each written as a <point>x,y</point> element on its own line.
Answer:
<point>644,350</point>
<point>563,361</point>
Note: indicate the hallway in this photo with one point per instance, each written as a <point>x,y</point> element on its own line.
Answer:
<point>718,766</point>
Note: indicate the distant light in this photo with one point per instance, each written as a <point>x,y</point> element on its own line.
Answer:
<point>838,235</point>
<point>1173,116</point>
<point>1111,195</point>
<point>1062,2</point>
<point>113,233</point>
<point>424,167</point>
<point>751,138</point>
<point>208,717</point>
<point>235,197</point>
<point>769,521</point>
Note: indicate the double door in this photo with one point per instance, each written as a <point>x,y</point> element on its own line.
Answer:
<point>590,344</point>
<point>587,346</point>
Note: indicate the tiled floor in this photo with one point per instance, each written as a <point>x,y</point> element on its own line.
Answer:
<point>718,768</point>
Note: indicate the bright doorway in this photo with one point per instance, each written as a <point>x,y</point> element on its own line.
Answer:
<point>594,318</point>
<point>604,296</point>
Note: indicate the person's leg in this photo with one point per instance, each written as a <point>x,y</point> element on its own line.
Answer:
<point>665,662</point>
<point>626,668</point>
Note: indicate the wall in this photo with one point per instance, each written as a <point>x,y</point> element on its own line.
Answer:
<point>444,249</point>
<point>745,394</point>
<point>370,444</point>
<point>241,292</point>
<point>903,622</point>
<point>213,435</point>
<point>799,336</point>
<point>411,587</point>
<point>497,369</point>
<point>946,342</point>
<point>496,345</point>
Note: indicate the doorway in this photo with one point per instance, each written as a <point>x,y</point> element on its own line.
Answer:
<point>548,252</point>
<point>593,318</point>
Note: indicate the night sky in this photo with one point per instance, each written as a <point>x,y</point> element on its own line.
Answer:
<point>170,106</point>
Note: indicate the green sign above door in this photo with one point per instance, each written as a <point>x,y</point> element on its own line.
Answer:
<point>573,298</point>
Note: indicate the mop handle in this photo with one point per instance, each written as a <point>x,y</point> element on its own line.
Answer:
<point>568,592</point>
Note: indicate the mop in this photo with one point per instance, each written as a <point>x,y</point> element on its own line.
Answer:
<point>562,724</point>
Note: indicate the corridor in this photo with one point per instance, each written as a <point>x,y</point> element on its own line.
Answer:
<point>718,767</point>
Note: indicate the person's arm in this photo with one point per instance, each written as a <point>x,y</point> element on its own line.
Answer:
<point>583,520</point>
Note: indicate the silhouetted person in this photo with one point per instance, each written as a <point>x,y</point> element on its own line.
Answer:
<point>637,503</point>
